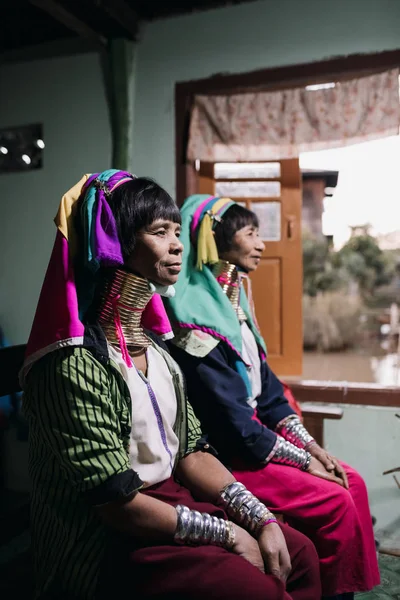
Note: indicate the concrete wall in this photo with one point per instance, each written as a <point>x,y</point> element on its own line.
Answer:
<point>65,95</point>
<point>368,438</point>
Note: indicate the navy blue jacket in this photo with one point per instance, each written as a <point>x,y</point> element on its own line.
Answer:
<point>218,396</point>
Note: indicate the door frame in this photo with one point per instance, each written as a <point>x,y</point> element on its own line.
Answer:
<point>354,65</point>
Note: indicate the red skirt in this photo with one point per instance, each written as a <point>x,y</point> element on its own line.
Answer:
<point>336,520</point>
<point>196,573</point>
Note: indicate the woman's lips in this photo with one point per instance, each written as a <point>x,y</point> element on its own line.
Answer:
<point>174,267</point>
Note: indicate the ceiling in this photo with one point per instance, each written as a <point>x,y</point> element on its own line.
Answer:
<point>30,23</point>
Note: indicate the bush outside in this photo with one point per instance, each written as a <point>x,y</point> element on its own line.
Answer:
<point>344,291</point>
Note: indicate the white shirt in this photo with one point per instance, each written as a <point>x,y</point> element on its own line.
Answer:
<point>251,357</point>
<point>151,457</point>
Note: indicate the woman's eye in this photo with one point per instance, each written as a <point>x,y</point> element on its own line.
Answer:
<point>161,232</point>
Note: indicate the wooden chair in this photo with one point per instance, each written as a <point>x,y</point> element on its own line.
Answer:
<point>11,359</point>
<point>16,572</point>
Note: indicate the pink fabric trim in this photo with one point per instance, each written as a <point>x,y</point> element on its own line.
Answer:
<point>155,318</point>
<point>283,421</point>
<point>225,280</point>
<point>274,449</point>
<point>306,447</point>
<point>56,315</point>
<point>196,216</point>
<point>268,521</point>
<point>225,207</point>
<point>120,333</point>
<point>120,182</point>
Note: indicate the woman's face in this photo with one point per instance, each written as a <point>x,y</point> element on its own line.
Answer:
<point>247,248</point>
<point>158,252</point>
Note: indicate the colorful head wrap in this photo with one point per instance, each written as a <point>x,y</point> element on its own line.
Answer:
<point>199,302</point>
<point>72,274</point>
<point>208,213</point>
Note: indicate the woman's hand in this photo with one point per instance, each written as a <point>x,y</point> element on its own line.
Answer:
<point>330,463</point>
<point>274,551</point>
<point>247,547</point>
<point>317,468</point>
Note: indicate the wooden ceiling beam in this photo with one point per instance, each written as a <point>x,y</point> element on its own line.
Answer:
<point>69,20</point>
<point>123,14</point>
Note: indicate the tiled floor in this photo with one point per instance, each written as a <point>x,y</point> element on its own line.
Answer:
<point>390,580</point>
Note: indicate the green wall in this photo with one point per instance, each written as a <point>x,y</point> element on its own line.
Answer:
<point>66,95</point>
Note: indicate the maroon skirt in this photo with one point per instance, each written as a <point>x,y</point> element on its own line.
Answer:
<point>196,573</point>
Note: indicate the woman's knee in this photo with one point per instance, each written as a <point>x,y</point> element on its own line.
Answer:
<point>309,552</point>
<point>228,576</point>
<point>340,506</point>
<point>301,549</point>
<point>257,588</point>
<point>242,580</point>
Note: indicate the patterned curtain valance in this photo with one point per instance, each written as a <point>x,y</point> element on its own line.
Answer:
<point>281,124</point>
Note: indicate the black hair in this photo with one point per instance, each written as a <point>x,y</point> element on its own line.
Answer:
<point>136,204</point>
<point>235,218</point>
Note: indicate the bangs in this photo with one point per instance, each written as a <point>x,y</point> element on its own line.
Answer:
<point>161,208</point>
<point>236,217</point>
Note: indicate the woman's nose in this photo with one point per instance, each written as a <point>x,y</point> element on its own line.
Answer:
<point>177,246</point>
<point>260,245</point>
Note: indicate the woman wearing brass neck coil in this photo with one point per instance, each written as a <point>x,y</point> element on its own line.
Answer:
<point>124,486</point>
<point>242,405</point>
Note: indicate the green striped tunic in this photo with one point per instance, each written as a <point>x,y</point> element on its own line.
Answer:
<point>79,415</point>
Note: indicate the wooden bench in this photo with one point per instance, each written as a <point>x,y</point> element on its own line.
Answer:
<point>314,416</point>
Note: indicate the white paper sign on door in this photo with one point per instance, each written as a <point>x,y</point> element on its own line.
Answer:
<point>269,216</point>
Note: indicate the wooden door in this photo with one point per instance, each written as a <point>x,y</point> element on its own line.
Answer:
<point>273,191</point>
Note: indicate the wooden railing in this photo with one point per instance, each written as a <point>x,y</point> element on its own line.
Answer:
<point>314,416</point>
<point>339,392</point>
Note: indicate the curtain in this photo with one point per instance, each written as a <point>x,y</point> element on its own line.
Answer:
<point>281,124</point>
<point>119,80</point>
